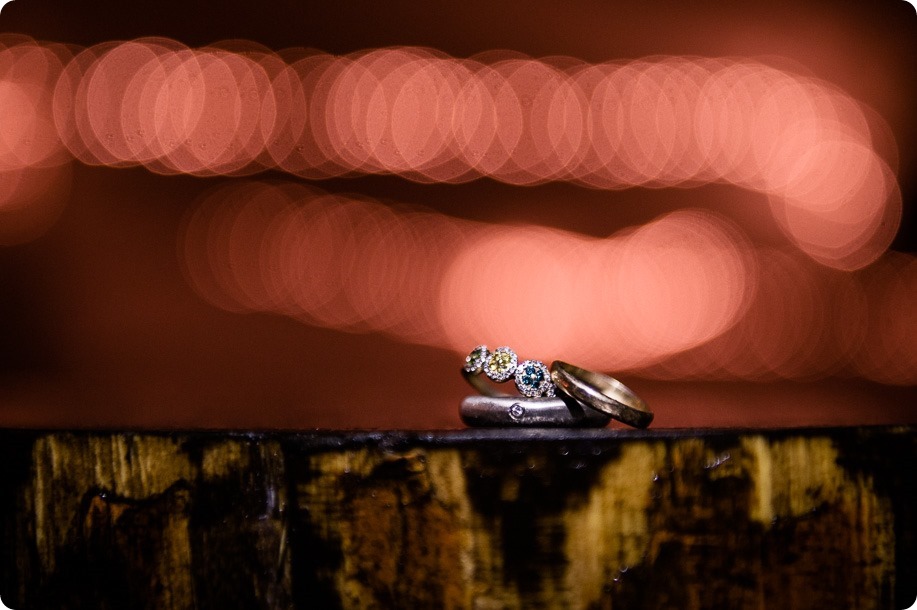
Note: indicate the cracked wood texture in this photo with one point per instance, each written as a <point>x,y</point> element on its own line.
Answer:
<point>816,518</point>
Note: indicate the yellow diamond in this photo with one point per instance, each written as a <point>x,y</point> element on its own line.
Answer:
<point>500,361</point>
<point>500,364</point>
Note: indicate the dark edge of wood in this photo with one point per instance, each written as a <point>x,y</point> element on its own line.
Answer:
<point>331,439</point>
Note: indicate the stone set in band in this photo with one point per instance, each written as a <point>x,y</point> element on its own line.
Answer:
<point>518,411</point>
<point>586,398</point>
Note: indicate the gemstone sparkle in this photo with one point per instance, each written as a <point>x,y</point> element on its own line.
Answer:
<point>501,364</point>
<point>475,360</point>
<point>533,379</point>
<point>516,411</point>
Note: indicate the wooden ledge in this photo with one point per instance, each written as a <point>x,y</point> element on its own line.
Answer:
<point>786,518</point>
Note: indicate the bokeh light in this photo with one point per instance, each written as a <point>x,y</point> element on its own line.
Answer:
<point>888,353</point>
<point>34,172</point>
<point>687,295</point>
<point>237,108</point>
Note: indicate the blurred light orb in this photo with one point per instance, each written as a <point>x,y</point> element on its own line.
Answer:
<point>34,168</point>
<point>683,296</point>
<point>236,108</point>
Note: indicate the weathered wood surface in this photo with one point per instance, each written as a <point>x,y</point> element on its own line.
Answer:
<point>821,518</point>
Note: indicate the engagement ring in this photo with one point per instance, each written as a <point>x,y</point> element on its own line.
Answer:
<point>532,377</point>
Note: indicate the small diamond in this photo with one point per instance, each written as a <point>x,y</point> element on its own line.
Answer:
<point>475,360</point>
<point>516,411</point>
<point>501,364</point>
<point>533,379</point>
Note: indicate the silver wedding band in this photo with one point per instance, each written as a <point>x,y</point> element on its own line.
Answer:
<point>505,411</point>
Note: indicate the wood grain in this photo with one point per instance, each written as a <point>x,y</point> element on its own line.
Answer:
<point>813,518</point>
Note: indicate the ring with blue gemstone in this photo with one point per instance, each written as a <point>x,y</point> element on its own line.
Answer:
<point>532,377</point>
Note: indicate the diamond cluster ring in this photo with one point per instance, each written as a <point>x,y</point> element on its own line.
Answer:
<point>585,398</point>
<point>532,377</point>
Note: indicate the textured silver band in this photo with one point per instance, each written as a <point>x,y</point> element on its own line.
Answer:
<point>601,392</point>
<point>508,411</point>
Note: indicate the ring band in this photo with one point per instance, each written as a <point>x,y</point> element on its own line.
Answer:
<point>502,411</point>
<point>602,392</point>
<point>478,383</point>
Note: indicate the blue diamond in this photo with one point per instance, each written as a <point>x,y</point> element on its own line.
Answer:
<point>532,379</point>
<point>532,376</point>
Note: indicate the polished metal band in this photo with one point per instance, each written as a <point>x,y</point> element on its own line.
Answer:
<point>493,411</point>
<point>601,392</point>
